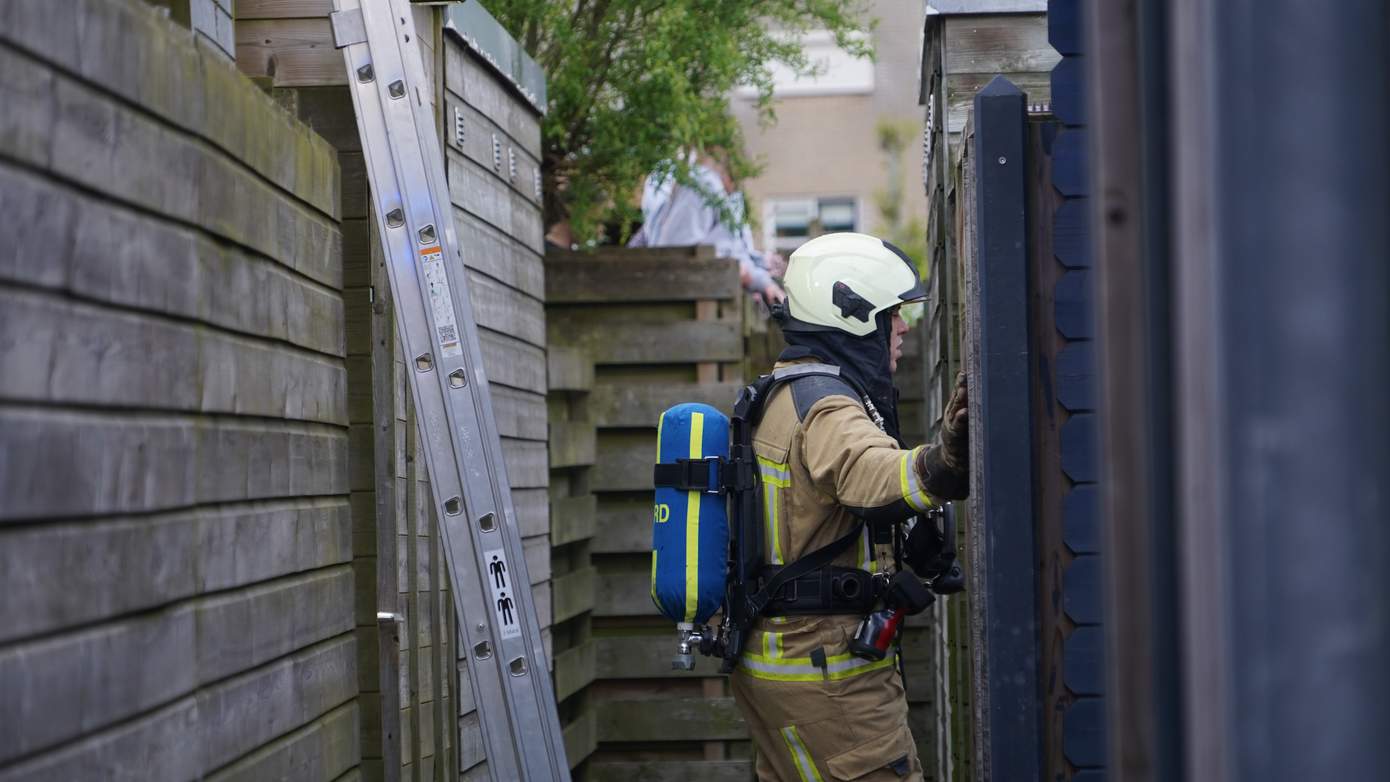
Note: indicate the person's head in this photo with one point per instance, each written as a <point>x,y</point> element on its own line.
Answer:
<point>854,284</point>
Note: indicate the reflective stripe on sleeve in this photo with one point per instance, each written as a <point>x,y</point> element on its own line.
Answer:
<point>913,493</point>
<point>804,765</point>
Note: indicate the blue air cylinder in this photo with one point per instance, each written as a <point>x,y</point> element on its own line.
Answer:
<point>690,529</point>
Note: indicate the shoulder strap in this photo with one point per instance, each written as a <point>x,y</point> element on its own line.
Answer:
<point>801,370</point>
<point>811,383</point>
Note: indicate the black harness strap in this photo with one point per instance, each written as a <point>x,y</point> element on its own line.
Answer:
<point>812,562</point>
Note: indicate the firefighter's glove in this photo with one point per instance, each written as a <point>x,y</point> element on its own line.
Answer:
<point>955,429</point>
<point>938,478</point>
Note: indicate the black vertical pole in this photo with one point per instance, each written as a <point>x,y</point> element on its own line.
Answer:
<point>1291,384</point>
<point>1002,503</point>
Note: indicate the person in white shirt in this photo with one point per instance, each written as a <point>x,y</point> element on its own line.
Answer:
<point>676,215</point>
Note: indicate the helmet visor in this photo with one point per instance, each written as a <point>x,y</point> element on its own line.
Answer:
<point>918,291</point>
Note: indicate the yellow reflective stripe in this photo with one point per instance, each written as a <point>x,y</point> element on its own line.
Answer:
<point>911,487</point>
<point>801,669</point>
<point>775,473</point>
<point>774,527</point>
<point>775,476</point>
<point>804,765</point>
<point>772,644</point>
<point>692,523</point>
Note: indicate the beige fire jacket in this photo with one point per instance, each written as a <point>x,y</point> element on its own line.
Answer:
<point>826,466</point>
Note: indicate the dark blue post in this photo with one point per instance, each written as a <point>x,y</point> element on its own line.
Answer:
<point>1006,675</point>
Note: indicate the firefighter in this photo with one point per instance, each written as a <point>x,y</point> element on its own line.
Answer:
<point>831,462</point>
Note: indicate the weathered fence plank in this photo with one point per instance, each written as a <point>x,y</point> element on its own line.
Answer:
<point>670,719</point>
<point>618,406</point>
<point>645,657</point>
<point>60,575</point>
<point>469,79</point>
<point>320,750</point>
<point>581,737</point>
<point>624,594</point>
<point>648,343</point>
<point>604,280</point>
<point>626,528</point>
<point>109,364</point>
<point>672,771</point>
<point>574,669</point>
<point>572,444</point>
<point>182,461</point>
<point>572,519</point>
<point>574,593</point>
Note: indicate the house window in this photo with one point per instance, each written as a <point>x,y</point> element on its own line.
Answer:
<point>834,71</point>
<point>789,222</point>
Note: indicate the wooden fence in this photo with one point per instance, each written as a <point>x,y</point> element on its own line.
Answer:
<point>661,326</point>
<point>175,537</point>
<point>572,519</point>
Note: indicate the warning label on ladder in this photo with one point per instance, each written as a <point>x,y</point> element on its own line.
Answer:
<point>441,301</point>
<point>504,601</point>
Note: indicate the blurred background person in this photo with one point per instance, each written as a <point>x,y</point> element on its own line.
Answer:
<point>709,210</point>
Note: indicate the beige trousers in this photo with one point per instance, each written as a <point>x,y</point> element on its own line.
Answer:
<point>846,724</point>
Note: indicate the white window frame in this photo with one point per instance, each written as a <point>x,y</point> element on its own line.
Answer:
<point>836,72</point>
<point>785,246</point>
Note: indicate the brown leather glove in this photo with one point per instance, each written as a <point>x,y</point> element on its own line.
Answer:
<point>938,479</point>
<point>955,429</point>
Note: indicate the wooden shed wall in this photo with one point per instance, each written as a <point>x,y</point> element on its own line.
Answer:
<point>407,675</point>
<point>492,144</point>
<point>175,536</point>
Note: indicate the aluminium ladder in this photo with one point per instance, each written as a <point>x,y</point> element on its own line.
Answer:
<point>434,318</point>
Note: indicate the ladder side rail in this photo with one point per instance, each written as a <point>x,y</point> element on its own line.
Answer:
<point>534,718</point>
<point>475,485</point>
<point>415,331</point>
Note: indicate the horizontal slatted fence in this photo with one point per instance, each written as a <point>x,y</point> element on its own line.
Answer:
<point>661,326</point>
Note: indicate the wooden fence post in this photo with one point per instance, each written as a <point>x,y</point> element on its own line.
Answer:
<point>1003,570</point>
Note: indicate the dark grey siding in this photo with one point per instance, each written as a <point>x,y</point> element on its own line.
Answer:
<point>175,538</point>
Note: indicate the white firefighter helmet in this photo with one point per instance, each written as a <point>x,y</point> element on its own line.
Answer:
<point>843,281</point>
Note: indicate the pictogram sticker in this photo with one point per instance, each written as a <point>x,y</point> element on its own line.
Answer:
<point>504,602</point>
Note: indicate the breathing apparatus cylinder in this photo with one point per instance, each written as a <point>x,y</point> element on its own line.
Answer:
<point>690,527</point>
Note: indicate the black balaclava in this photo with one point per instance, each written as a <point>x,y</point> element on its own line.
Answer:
<point>863,360</point>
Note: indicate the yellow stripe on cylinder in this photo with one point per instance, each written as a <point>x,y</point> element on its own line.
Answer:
<point>692,523</point>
